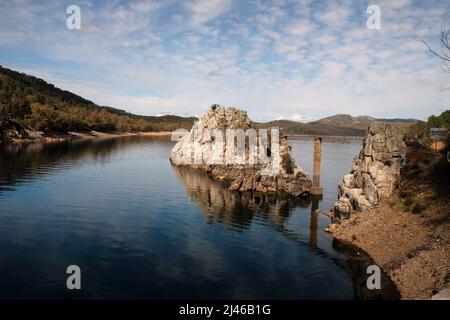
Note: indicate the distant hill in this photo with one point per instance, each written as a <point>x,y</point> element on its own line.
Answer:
<point>346,121</point>
<point>34,103</point>
<point>337,125</point>
<point>360,122</point>
<point>293,127</point>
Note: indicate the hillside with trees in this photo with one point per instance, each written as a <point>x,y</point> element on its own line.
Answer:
<point>29,101</point>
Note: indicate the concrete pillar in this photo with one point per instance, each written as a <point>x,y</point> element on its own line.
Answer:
<point>316,189</point>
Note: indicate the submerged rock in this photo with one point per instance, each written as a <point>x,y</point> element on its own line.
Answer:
<point>225,143</point>
<point>376,172</point>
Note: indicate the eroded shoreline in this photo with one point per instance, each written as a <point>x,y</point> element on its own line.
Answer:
<point>408,233</point>
<point>84,136</point>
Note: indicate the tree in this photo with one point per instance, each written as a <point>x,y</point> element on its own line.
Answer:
<point>444,55</point>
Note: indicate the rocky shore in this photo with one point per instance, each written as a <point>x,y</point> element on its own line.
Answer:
<point>15,132</point>
<point>398,213</point>
<point>375,174</point>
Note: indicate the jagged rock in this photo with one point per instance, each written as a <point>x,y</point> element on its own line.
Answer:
<point>376,172</point>
<point>369,188</point>
<point>205,148</point>
<point>349,180</point>
<point>343,206</point>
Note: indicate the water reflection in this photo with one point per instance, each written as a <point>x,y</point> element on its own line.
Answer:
<point>22,162</point>
<point>117,207</point>
<point>313,223</point>
<point>357,262</point>
<point>235,210</point>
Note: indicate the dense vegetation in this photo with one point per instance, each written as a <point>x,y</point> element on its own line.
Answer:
<point>34,102</point>
<point>422,130</point>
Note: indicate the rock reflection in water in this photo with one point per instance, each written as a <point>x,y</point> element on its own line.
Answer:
<point>235,209</point>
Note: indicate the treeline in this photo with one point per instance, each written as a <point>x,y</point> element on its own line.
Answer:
<point>36,103</point>
<point>421,131</point>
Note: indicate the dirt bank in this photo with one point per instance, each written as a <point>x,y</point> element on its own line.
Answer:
<point>408,235</point>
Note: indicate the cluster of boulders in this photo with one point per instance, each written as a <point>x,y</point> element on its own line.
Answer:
<point>200,149</point>
<point>376,172</point>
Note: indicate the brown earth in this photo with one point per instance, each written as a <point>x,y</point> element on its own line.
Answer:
<point>408,235</point>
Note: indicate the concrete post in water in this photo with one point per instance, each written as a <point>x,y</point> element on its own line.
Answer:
<point>316,189</point>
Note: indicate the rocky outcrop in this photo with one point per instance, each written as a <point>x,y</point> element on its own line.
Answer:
<point>376,172</point>
<point>11,130</point>
<point>262,162</point>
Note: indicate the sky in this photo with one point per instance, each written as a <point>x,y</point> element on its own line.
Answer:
<point>280,59</point>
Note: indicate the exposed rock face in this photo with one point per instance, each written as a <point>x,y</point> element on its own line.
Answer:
<point>12,130</point>
<point>263,164</point>
<point>376,172</point>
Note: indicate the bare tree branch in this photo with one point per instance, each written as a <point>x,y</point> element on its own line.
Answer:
<point>443,57</point>
<point>445,46</point>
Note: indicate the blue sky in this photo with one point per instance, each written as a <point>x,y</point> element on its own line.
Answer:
<point>298,60</point>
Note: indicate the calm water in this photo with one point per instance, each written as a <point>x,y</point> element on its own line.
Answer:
<point>140,228</point>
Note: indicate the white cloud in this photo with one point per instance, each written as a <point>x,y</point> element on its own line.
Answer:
<point>297,118</point>
<point>299,27</point>
<point>334,15</point>
<point>399,4</point>
<point>203,11</point>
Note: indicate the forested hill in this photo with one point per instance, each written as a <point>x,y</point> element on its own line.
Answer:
<point>297,128</point>
<point>34,102</point>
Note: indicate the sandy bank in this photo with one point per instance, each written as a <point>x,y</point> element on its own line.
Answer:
<point>96,134</point>
<point>86,135</point>
<point>410,249</point>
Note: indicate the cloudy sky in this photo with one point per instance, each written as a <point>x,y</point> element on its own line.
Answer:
<point>292,59</point>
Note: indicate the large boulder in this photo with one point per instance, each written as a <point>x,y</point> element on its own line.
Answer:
<point>375,174</point>
<point>261,162</point>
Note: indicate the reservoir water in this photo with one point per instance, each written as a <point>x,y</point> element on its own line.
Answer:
<point>140,228</point>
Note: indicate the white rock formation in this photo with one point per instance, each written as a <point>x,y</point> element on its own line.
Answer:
<point>260,162</point>
<point>376,172</point>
